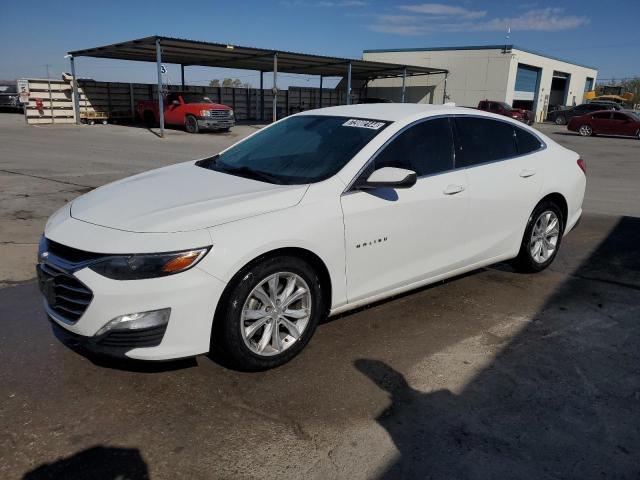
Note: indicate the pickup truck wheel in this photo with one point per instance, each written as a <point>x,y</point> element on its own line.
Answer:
<point>191,124</point>
<point>149,119</point>
<point>560,120</point>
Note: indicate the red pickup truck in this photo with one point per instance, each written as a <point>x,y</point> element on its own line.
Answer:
<point>194,111</point>
<point>502,108</point>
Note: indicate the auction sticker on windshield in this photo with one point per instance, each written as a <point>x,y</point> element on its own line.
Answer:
<point>354,122</point>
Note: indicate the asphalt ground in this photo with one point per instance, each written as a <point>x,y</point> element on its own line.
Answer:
<point>491,375</point>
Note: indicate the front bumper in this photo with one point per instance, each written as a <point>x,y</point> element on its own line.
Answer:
<point>214,123</point>
<point>113,344</point>
<point>192,297</point>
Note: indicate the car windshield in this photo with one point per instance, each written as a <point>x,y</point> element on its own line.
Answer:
<point>506,106</point>
<point>634,115</point>
<point>195,98</point>
<point>298,150</point>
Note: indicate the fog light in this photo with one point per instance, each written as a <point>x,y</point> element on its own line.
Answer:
<point>137,321</point>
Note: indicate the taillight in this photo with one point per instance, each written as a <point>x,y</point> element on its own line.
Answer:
<point>583,166</point>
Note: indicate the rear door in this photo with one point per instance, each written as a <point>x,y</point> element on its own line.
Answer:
<point>395,237</point>
<point>504,180</point>
<point>622,124</point>
<point>601,122</point>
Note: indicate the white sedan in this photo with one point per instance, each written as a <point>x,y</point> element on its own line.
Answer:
<point>317,214</point>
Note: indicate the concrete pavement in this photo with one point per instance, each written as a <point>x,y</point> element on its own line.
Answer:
<point>491,375</point>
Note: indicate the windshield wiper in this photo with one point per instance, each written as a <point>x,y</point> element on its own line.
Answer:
<point>247,172</point>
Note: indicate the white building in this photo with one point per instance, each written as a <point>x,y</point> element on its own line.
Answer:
<point>504,73</point>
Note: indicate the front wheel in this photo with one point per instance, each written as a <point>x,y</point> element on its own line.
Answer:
<point>191,124</point>
<point>542,238</point>
<point>560,120</point>
<point>268,313</point>
<point>585,130</point>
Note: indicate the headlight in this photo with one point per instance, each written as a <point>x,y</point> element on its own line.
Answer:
<point>205,113</point>
<point>231,113</point>
<point>139,266</point>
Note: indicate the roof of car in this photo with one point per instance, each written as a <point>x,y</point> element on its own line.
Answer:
<point>387,111</point>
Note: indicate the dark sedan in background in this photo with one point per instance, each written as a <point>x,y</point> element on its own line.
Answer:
<point>562,116</point>
<point>608,122</point>
<point>9,98</point>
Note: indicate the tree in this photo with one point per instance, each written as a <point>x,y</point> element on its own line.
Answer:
<point>214,83</point>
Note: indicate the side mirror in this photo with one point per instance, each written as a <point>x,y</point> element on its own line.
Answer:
<point>388,177</point>
<point>175,102</point>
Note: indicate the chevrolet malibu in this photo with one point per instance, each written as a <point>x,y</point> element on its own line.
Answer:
<point>317,214</point>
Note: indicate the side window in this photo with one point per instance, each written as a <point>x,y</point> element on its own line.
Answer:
<point>480,140</point>
<point>525,141</point>
<point>426,148</point>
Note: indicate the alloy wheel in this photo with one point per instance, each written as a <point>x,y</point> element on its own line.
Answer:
<point>276,313</point>
<point>544,236</point>
<point>585,130</point>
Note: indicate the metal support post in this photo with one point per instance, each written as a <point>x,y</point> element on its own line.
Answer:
<point>160,99</point>
<point>275,88</point>
<point>349,84</point>
<point>404,82</point>
<point>76,96</point>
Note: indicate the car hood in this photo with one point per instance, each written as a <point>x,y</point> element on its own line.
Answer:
<point>209,106</point>
<point>180,198</point>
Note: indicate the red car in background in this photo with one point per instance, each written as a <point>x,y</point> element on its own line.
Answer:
<point>503,108</point>
<point>607,122</point>
<point>193,111</point>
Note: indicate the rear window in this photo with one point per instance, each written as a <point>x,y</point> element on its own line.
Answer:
<point>526,142</point>
<point>480,140</point>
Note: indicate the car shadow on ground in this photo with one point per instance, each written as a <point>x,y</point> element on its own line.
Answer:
<point>94,463</point>
<point>562,399</point>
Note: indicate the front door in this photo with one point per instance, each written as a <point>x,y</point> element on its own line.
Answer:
<point>395,237</point>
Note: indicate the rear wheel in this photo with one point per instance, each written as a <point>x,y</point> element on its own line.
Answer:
<point>542,238</point>
<point>191,124</point>
<point>585,130</point>
<point>149,119</point>
<point>560,120</point>
<point>268,313</point>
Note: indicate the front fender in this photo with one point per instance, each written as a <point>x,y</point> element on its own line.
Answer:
<point>318,228</point>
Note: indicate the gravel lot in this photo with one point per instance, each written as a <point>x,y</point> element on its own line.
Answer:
<point>491,375</point>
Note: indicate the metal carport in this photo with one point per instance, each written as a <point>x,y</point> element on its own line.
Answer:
<point>184,52</point>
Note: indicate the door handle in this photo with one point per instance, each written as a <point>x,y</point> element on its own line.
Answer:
<point>527,172</point>
<point>453,189</point>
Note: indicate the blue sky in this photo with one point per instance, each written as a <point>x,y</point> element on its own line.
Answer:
<point>591,32</point>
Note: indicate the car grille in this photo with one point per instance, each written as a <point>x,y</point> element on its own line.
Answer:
<point>220,114</point>
<point>65,295</point>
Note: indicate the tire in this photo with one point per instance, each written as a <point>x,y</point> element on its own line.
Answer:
<point>245,348</point>
<point>560,120</point>
<point>191,124</point>
<point>149,119</point>
<point>528,260</point>
<point>585,130</point>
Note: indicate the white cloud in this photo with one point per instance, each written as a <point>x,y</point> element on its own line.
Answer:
<point>442,10</point>
<point>433,17</point>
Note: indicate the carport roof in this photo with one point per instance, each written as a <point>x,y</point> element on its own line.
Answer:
<point>192,52</point>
